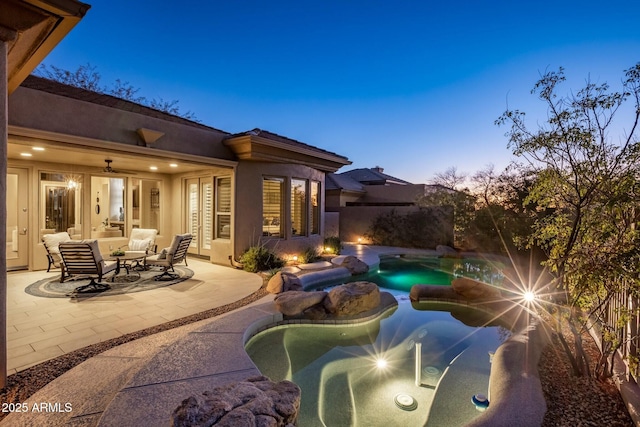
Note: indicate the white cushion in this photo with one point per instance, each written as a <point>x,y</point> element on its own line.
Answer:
<point>53,240</point>
<point>139,245</point>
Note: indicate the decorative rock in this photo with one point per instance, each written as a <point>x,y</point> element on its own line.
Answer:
<point>422,292</point>
<point>257,401</point>
<point>283,282</point>
<point>293,303</point>
<point>352,298</point>
<point>474,289</point>
<point>447,252</point>
<point>317,312</point>
<point>354,265</point>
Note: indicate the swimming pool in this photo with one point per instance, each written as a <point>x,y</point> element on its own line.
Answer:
<point>417,364</point>
<point>402,272</point>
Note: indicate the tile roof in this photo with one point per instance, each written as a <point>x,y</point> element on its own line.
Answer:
<point>335,181</point>
<point>68,91</point>
<point>373,176</point>
<point>279,138</point>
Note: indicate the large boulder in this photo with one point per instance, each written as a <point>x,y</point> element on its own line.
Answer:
<point>352,298</point>
<point>475,290</point>
<point>293,303</point>
<point>283,282</point>
<point>257,401</point>
<point>354,265</point>
<point>425,292</point>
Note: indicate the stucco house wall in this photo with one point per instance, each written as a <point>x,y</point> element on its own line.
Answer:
<point>248,214</point>
<point>37,109</point>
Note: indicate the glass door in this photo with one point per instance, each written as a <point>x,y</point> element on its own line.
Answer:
<point>17,253</point>
<point>200,215</point>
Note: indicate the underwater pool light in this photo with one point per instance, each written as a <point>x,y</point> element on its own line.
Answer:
<point>405,402</point>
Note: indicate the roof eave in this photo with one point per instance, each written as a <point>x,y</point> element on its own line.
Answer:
<point>253,147</point>
<point>34,28</point>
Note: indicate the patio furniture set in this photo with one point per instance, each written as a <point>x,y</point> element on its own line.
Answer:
<point>82,258</point>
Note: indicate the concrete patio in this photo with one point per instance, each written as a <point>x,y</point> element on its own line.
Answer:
<point>40,329</point>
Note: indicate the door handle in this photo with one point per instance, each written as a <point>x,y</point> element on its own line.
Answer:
<point>24,230</point>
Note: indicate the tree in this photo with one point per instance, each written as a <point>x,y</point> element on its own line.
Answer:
<point>86,77</point>
<point>447,190</point>
<point>587,183</point>
<point>502,219</point>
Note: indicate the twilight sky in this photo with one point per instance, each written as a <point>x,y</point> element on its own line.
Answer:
<point>413,86</point>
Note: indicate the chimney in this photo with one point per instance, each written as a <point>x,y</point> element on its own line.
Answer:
<point>378,169</point>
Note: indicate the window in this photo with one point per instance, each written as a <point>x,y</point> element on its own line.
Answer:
<point>315,207</point>
<point>109,209</point>
<point>272,206</point>
<point>223,208</point>
<point>298,207</point>
<point>61,204</point>
<point>146,200</point>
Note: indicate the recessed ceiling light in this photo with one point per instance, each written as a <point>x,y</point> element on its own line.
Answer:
<point>38,148</point>
<point>173,165</point>
<point>26,154</point>
<point>153,168</point>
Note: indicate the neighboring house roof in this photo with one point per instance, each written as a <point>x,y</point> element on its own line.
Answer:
<point>61,89</point>
<point>373,176</point>
<point>342,182</point>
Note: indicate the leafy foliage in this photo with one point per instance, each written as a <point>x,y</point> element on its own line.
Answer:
<point>309,255</point>
<point>424,228</point>
<point>587,184</point>
<point>86,77</point>
<point>447,190</point>
<point>259,258</point>
<point>334,244</point>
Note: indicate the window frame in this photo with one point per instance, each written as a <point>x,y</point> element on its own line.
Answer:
<point>281,210</point>
<point>305,207</point>
<point>222,213</point>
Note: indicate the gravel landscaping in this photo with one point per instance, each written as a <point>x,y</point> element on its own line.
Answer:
<point>570,401</point>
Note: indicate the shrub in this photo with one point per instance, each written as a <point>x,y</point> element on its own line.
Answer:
<point>259,258</point>
<point>423,228</point>
<point>309,255</point>
<point>334,244</point>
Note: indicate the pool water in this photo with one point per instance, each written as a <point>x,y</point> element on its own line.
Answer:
<point>416,365</point>
<point>401,273</point>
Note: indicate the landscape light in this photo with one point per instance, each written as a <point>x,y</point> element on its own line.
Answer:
<point>381,363</point>
<point>529,296</point>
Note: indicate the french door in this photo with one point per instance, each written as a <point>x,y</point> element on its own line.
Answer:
<point>200,214</point>
<point>17,252</point>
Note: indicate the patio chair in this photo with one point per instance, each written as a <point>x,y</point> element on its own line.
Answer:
<point>82,259</point>
<point>168,257</point>
<point>142,240</point>
<point>50,243</point>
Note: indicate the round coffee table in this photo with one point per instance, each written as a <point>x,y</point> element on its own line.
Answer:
<point>122,263</point>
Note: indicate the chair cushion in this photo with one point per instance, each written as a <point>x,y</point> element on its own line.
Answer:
<point>139,245</point>
<point>52,241</point>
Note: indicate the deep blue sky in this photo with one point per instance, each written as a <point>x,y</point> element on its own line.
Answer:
<point>412,86</point>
